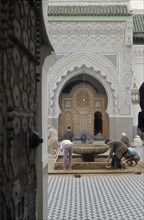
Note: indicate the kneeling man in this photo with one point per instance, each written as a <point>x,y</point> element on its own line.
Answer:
<point>132,156</point>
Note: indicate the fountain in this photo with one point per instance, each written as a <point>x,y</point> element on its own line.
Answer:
<point>86,156</point>
<point>89,151</point>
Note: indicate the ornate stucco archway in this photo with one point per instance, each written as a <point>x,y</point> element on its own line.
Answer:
<point>92,64</point>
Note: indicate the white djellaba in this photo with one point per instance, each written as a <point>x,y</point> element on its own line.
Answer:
<point>137,142</point>
<point>52,140</point>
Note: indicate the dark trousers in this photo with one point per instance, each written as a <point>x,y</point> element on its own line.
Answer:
<point>116,160</point>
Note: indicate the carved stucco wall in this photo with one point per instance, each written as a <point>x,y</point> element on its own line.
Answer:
<point>92,42</point>
<point>82,2</point>
<point>95,37</point>
<point>87,36</point>
<point>95,65</point>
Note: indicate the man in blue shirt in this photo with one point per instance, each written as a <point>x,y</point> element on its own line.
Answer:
<point>132,156</point>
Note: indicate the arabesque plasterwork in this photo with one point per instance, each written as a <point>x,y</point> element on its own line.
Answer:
<point>92,43</point>
<point>71,36</point>
<point>125,88</point>
<point>84,2</point>
<point>71,65</point>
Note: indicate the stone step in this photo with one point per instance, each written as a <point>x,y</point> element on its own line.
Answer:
<point>85,165</point>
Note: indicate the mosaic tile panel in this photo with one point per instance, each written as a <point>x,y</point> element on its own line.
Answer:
<point>119,125</point>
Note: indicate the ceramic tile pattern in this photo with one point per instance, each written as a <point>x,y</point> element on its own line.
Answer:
<point>96,197</point>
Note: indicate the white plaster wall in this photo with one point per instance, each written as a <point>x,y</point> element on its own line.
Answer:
<point>139,73</point>
<point>49,62</point>
<point>138,64</point>
<point>44,115</point>
<point>137,4</point>
<point>135,110</point>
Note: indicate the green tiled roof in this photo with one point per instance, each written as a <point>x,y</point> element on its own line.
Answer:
<point>138,23</point>
<point>89,10</point>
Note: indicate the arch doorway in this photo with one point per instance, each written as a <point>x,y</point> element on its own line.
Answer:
<point>98,124</point>
<point>83,105</point>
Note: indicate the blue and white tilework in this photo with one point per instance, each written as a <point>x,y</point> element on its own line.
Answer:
<point>96,197</point>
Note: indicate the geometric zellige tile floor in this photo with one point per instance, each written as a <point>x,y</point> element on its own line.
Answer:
<point>96,197</point>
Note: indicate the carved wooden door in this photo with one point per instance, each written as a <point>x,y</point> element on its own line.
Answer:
<point>78,110</point>
<point>19,21</point>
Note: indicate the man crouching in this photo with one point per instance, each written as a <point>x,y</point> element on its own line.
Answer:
<point>66,146</point>
<point>117,150</point>
<point>132,156</point>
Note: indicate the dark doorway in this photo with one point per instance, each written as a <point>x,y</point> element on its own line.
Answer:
<point>141,93</point>
<point>141,114</point>
<point>98,123</point>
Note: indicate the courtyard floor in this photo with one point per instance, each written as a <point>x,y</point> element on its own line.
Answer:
<point>99,196</point>
<point>96,197</point>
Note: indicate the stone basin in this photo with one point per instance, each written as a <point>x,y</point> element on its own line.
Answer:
<point>85,148</point>
<point>88,151</point>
